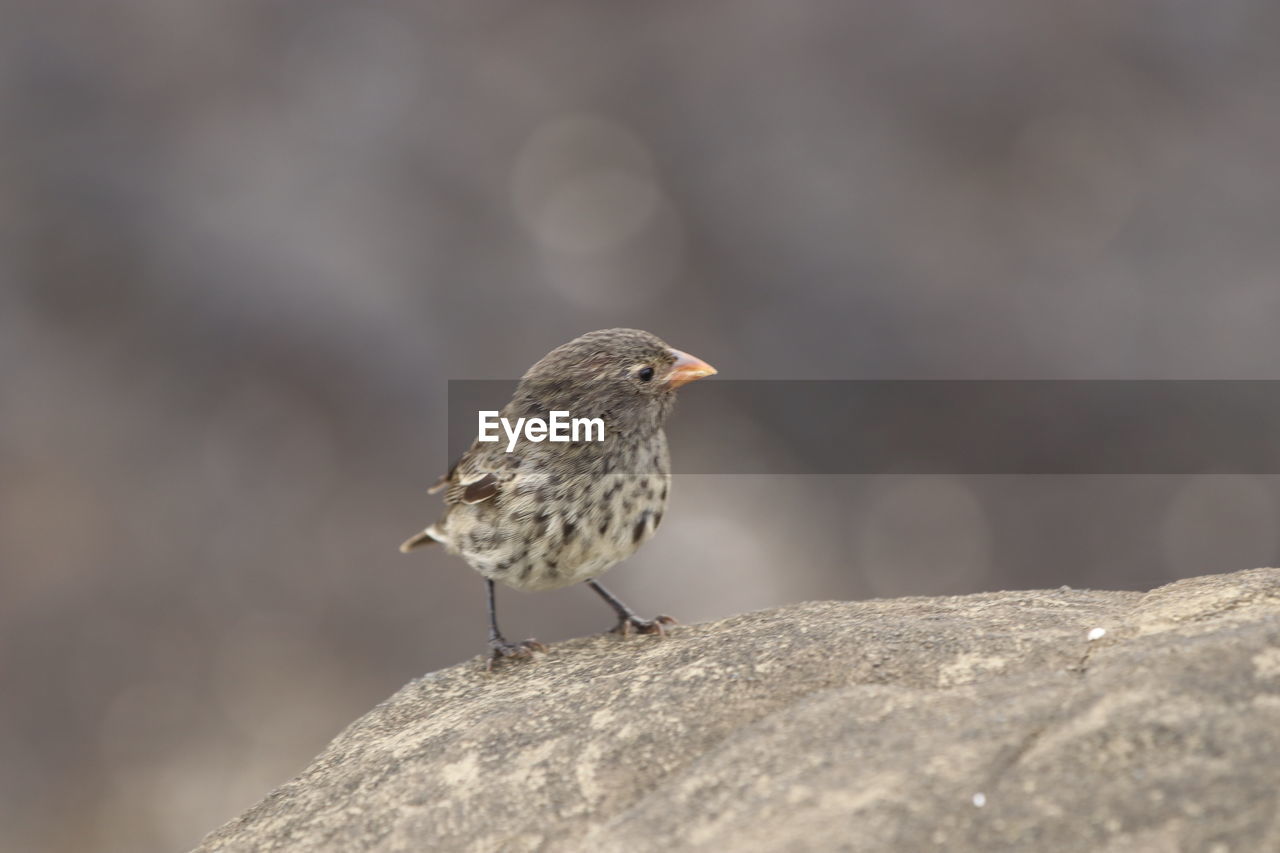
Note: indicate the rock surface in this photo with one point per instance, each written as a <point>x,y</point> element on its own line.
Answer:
<point>975,723</point>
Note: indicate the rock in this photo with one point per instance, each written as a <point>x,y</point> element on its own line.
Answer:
<point>974,723</point>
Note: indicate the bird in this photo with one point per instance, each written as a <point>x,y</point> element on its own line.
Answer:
<point>545,515</point>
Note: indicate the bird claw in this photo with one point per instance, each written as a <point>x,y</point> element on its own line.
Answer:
<point>656,625</point>
<point>500,649</point>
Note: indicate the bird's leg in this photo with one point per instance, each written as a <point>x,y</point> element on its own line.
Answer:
<point>499,648</point>
<point>628,621</point>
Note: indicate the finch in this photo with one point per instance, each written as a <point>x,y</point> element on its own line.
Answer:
<point>547,514</point>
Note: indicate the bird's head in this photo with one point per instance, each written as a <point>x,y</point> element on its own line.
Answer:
<point>627,373</point>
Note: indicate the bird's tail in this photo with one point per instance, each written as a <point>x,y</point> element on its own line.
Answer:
<point>426,537</point>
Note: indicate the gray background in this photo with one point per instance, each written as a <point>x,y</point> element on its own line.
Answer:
<point>245,245</point>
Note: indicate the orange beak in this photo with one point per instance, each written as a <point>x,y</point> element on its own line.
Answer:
<point>687,368</point>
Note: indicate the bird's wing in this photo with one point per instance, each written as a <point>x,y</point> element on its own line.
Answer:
<point>478,476</point>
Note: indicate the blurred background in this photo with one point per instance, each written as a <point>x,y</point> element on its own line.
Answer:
<point>245,245</point>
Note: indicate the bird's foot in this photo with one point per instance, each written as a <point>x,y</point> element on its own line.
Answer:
<point>500,649</point>
<point>656,625</point>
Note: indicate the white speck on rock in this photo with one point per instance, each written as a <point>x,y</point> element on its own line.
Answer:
<point>1097,633</point>
<point>979,799</point>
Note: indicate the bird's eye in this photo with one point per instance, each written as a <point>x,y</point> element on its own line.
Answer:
<point>645,374</point>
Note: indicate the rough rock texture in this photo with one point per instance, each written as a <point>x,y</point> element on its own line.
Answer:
<point>984,722</point>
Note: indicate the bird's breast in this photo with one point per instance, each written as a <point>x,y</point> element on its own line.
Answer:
<point>548,530</point>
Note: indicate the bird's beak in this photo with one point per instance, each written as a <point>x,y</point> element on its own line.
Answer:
<point>687,368</point>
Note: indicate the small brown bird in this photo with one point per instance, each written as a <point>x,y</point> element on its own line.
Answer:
<point>546,514</point>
